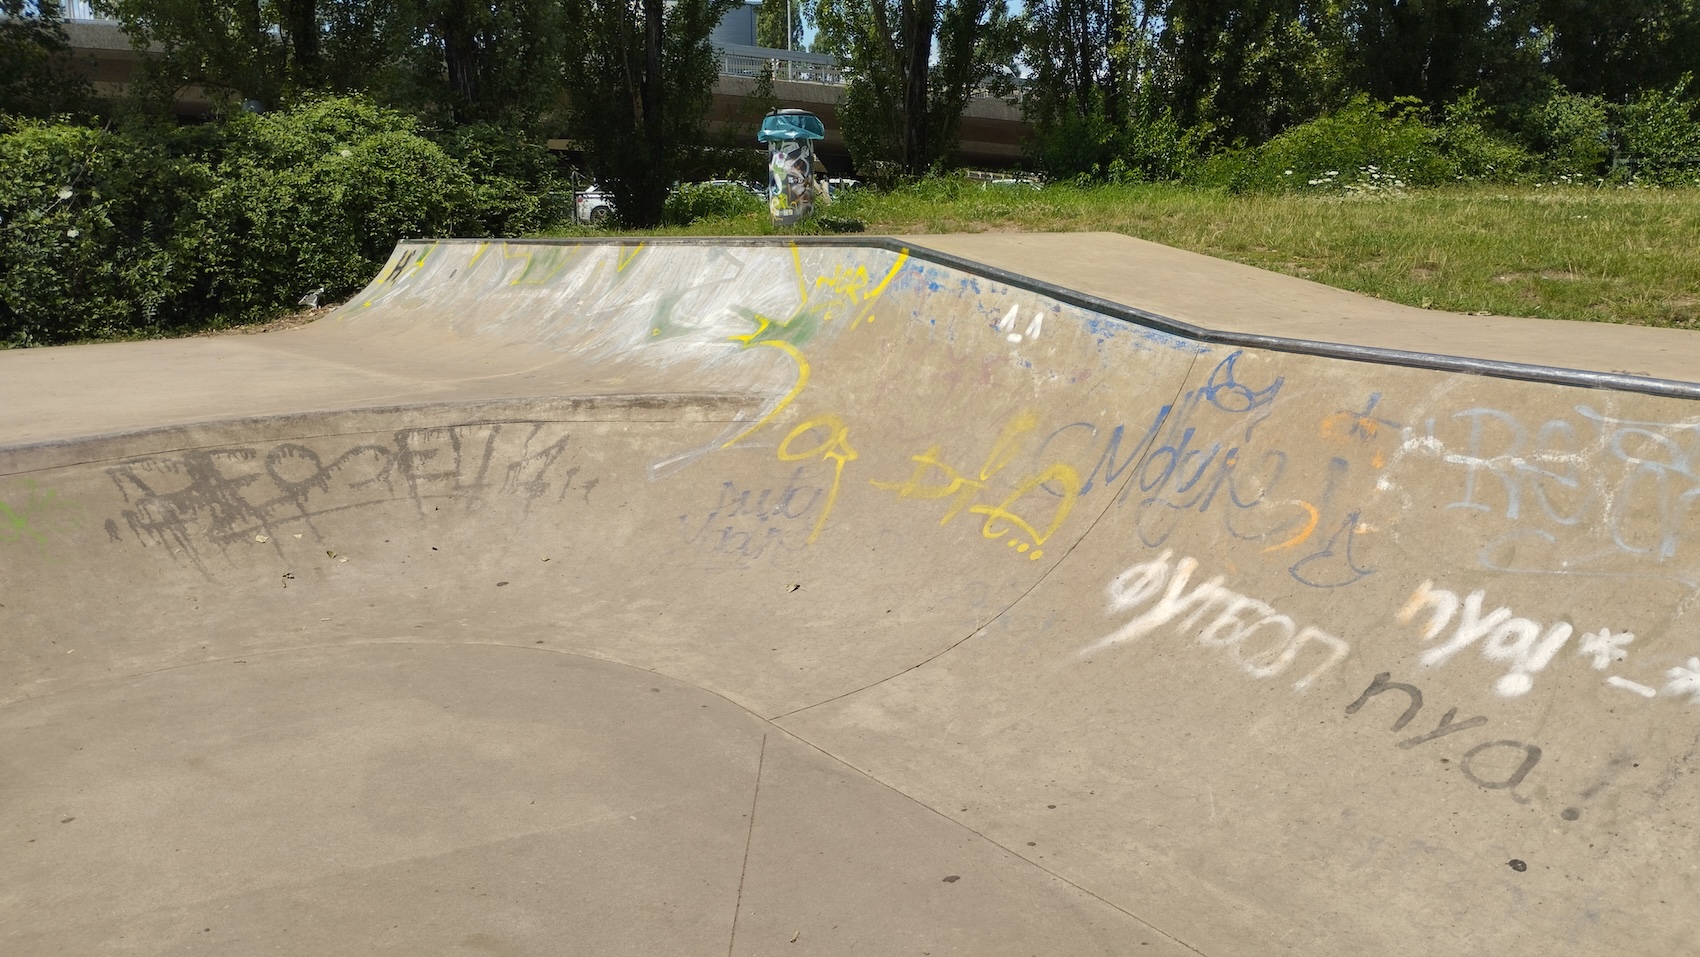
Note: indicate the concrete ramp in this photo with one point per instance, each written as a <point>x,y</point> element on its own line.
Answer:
<point>750,598</point>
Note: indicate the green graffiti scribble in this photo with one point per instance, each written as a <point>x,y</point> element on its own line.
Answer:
<point>32,515</point>
<point>542,264</point>
<point>663,326</point>
<point>797,330</point>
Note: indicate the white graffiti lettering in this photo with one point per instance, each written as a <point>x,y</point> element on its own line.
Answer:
<point>1259,639</point>
<point>1524,643</point>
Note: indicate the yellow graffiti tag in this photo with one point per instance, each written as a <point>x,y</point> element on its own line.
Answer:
<point>866,312</point>
<point>932,478</point>
<point>915,487</point>
<point>957,484</point>
<point>1001,514</point>
<point>797,265</point>
<point>835,447</point>
<point>411,261</point>
<point>763,324</point>
<point>541,265</point>
<point>1009,442</point>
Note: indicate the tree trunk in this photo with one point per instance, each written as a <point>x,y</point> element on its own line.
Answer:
<point>920,18</point>
<point>652,124</point>
<point>460,60</point>
<point>301,29</point>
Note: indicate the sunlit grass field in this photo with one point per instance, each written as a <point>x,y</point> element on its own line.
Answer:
<point>1558,252</point>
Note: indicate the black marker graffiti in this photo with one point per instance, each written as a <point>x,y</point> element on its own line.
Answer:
<point>1382,684</point>
<point>191,499</point>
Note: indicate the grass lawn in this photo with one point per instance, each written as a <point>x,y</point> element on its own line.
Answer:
<point>1558,252</point>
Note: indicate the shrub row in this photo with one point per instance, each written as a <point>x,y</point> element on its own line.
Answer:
<point>134,232</point>
<point>1368,145</point>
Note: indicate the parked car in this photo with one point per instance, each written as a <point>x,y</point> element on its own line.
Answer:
<point>594,205</point>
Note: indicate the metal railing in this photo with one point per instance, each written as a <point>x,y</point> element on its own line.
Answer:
<point>795,66</point>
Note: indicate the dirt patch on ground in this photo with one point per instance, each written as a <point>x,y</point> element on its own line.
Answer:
<point>276,325</point>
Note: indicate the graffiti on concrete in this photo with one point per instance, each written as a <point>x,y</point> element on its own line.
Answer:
<point>200,497</point>
<point>1498,765</point>
<point>32,516</point>
<point>750,523</point>
<point>1526,647</point>
<point>1162,586</point>
<point>1038,517</point>
<point>1202,456</point>
<point>1609,487</point>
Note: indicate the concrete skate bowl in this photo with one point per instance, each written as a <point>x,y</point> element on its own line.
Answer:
<point>762,598</point>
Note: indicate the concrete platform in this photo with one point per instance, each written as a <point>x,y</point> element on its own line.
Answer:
<point>748,598</point>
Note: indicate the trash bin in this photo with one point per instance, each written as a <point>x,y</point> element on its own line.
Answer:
<point>790,137</point>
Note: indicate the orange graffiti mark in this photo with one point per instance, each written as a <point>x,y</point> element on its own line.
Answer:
<point>835,447</point>
<point>1312,517</point>
<point>1346,426</point>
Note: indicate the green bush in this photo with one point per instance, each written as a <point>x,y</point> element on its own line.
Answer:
<point>316,197</point>
<point>517,183</point>
<point>145,230</point>
<point>1369,146</point>
<point>693,201</point>
<point>1088,147</point>
<point>1571,133</point>
<point>1658,138</point>
<point>91,228</point>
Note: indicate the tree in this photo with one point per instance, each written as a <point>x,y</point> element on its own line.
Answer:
<point>1090,63</point>
<point>1618,48</point>
<point>238,49</point>
<point>1439,49</point>
<point>472,62</point>
<point>1248,69</point>
<point>779,24</point>
<point>37,76</point>
<point>639,80</point>
<point>901,106</point>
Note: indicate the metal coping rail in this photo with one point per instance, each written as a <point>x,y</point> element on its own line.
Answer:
<point>1495,368</point>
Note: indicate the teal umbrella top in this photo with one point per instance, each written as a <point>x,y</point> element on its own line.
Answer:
<point>791,125</point>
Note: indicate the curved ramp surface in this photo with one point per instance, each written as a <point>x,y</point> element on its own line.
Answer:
<point>824,599</point>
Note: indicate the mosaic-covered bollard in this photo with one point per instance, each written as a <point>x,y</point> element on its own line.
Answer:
<point>790,136</point>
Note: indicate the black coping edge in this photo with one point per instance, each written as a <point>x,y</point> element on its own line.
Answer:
<point>1523,371</point>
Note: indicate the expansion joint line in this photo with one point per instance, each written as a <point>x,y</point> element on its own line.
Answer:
<point>1109,501</point>
<point>749,838</point>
